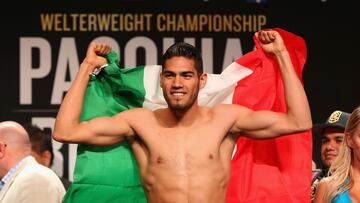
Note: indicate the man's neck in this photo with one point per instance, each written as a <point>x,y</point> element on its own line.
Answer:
<point>15,160</point>
<point>187,117</point>
<point>11,167</point>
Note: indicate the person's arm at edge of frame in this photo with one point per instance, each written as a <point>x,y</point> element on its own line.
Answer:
<point>320,191</point>
<point>268,124</point>
<point>101,130</point>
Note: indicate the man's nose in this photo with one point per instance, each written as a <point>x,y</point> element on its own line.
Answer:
<point>177,82</point>
<point>330,146</point>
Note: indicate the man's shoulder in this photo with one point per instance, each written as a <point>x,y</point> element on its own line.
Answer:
<point>139,115</point>
<point>137,112</point>
<point>37,170</point>
<point>33,169</point>
<point>35,183</point>
<point>37,175</point>
<point>228,109</point>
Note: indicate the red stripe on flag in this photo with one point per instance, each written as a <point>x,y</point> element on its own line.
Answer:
<point>275,170</point>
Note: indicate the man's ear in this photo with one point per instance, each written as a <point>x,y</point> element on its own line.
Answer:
<point>2,149</point>
<point>46,156</point>
<point>203,79</point>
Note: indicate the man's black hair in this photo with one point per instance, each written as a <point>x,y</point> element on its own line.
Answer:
<point>40,140</point>
<point>185,50</point>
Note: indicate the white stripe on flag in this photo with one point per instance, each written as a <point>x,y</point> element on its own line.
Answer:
<point>154,98</point>
<point>219,88</point>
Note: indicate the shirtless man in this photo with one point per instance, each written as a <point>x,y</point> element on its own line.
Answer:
<point>184,151</point>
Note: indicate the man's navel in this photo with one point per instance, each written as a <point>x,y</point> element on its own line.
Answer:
<point>159,160</point>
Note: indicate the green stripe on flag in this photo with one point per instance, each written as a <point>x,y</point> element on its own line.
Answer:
<point>109,174</point>
<point>113,92</point>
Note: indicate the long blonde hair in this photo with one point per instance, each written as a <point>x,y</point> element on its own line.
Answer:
<point>340,171</point>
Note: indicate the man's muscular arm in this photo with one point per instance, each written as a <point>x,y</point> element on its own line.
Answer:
<point>267,124</point>
<point>102,130</point>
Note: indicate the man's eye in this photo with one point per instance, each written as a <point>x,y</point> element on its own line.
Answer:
<point>339,141</point>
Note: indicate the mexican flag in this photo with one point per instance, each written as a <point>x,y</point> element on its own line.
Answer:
<point>110,174</point>
<point>275,170</point>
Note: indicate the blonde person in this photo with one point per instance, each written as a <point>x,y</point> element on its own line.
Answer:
<point>343,184</point>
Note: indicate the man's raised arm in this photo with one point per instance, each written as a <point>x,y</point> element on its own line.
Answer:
<point>100,131</point>
<point>267,124</point>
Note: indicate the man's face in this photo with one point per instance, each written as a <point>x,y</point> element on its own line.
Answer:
<point>180,83</point>
<point>330,145</point>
